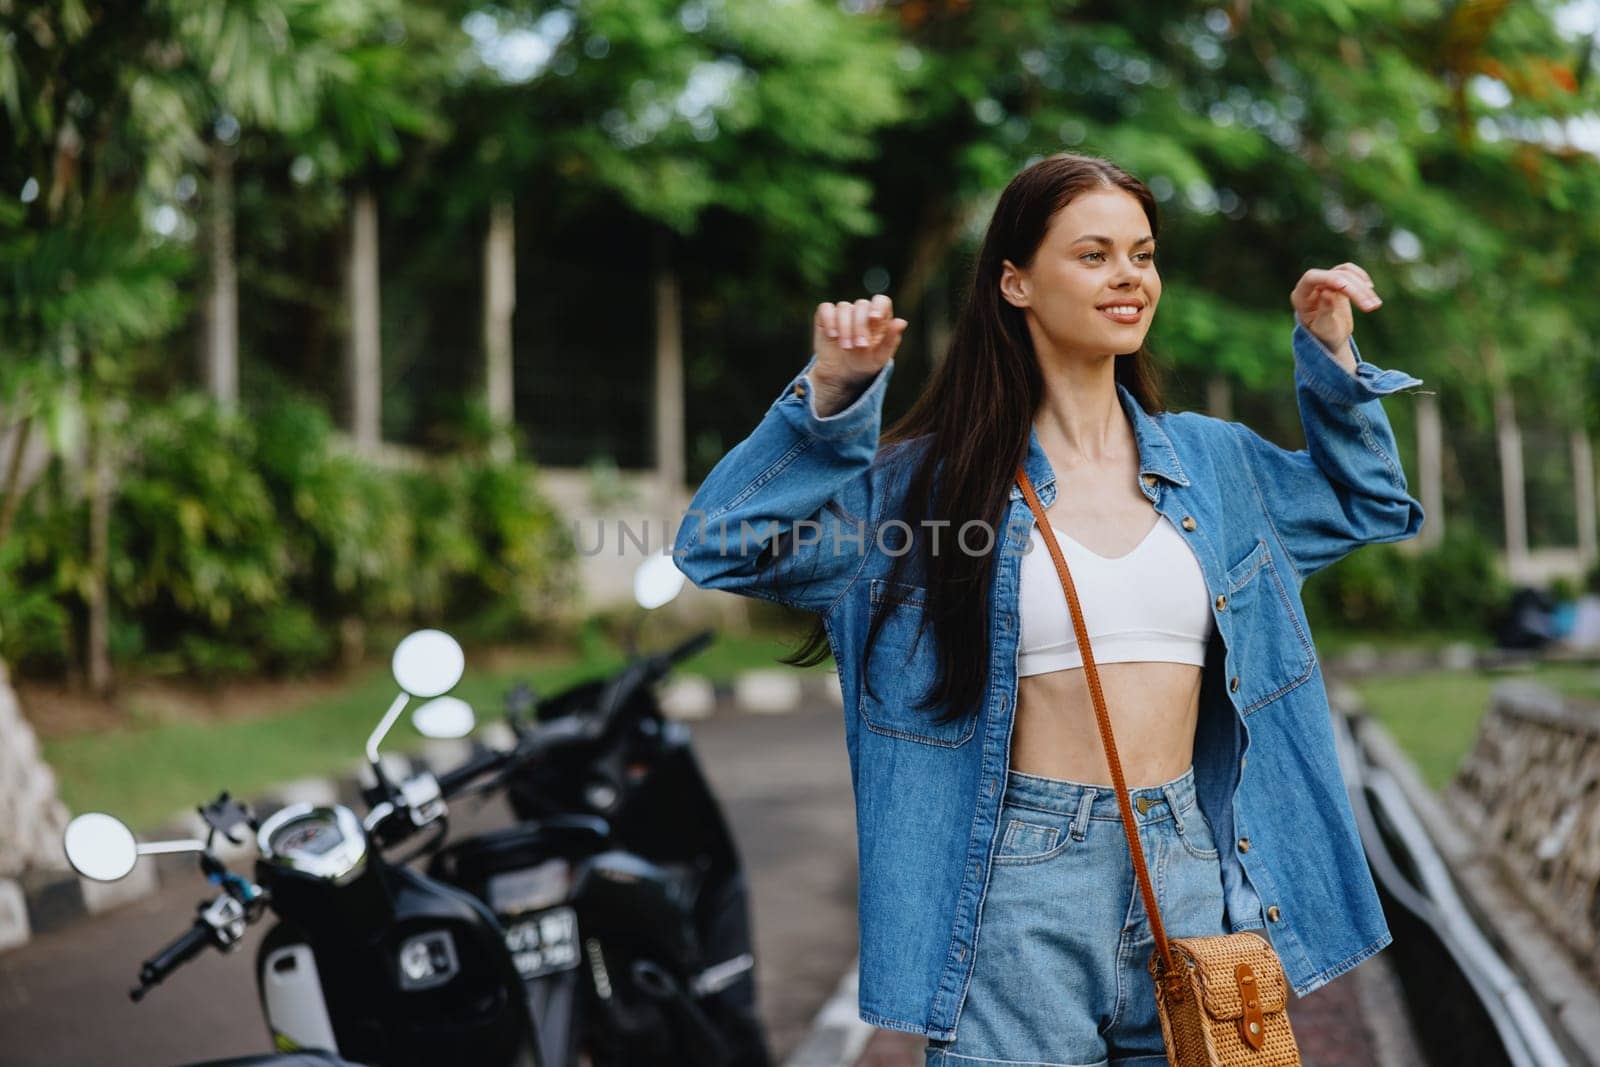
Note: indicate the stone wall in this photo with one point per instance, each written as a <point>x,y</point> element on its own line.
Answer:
<point>31,816</point>
<point>1532,783</point>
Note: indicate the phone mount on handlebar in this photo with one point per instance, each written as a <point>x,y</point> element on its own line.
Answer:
<point>225,815</point>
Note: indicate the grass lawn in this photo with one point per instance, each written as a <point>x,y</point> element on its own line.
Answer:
<point>157,765</point>
<point>1434,716</point>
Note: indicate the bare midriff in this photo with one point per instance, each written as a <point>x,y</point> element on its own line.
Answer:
<point>1153,709</point>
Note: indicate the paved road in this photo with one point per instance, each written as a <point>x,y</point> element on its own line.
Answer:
<point>785,780</point>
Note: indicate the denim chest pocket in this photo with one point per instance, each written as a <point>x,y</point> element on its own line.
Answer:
<point>901,667</point>
<point>1271,651</point>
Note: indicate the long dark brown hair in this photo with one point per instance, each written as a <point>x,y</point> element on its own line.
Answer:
<point>977,411</point>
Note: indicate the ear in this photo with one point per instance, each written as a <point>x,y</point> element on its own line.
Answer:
<point>1013,285</point>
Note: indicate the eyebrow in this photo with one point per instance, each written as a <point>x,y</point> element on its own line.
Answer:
<point>1097,239</point>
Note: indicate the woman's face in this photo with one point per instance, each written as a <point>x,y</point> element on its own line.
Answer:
<point>1097,252</point>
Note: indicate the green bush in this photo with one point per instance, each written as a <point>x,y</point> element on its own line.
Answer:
<point>349,525</point>
<point>242,544</point>
<point>35,629</point>
<point>196,541</point>
<point>1453,585</point>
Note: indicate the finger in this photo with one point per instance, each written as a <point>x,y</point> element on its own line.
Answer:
<point>847,332</point>
<point>1356,269</point>
<point>1345,283</point>
<point>881,314</point>
<point>828,320</point>
<point>888,338</point>
<point>863,322</point>
<point>1359,288</point>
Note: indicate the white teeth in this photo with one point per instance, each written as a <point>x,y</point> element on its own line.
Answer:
<point>1124,309</point>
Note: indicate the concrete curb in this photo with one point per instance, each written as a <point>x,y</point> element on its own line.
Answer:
<point>1373,659</point>
<point>1567,997</point>
<point>837,1034</point>
<point>43,900</point>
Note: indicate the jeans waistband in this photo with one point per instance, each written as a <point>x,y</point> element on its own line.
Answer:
<point>1061,795</point>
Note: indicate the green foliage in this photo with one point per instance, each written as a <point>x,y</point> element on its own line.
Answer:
<point>241,545</point>
<point>197,543</point>
<point>1454,585</point>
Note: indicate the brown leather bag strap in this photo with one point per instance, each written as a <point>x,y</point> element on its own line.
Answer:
<point>1140,869</point>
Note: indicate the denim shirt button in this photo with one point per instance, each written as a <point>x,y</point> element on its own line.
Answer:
<point>1244,844</point>
<point>1150,479</point>
<point>1233,684</point>
<point>1273,913</point>
<point>1188,522</point>
<point>1222,602</point>
<point>799,390</point>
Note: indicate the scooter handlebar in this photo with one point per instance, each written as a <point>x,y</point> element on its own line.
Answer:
<point>169,959</point>
<point>454,780</point>
<point>541,739</point>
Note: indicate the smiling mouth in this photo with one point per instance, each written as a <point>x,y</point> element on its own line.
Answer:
<point>1124,313</point>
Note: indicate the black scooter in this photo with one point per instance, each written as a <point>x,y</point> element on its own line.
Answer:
<point>621,891</point>
<point>370,960</point>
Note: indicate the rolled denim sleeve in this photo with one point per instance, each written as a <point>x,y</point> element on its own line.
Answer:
<point>785,515</point>
<point>1346,487</point>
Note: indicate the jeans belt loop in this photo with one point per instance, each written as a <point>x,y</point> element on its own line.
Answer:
<point>1085,802</point>
<point>1172,806</point>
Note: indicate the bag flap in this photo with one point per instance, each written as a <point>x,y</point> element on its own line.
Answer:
<point>1216,957</point>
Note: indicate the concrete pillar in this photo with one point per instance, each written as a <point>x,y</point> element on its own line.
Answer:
<point>1583,495</point>
<point>222,298</point>
<point>1512,495</point>
<point>1219,397</point>
<point>499,303</point>
<point>1430,469</point>
<point>669,402</point>
<point>363,366</point>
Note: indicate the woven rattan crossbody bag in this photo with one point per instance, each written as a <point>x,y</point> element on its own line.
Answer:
<point>1221,998</point>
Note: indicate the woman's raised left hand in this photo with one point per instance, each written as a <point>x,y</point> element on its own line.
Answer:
<point>1322,298</point>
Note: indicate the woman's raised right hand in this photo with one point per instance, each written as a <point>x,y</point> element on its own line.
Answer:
<point>853,340</point>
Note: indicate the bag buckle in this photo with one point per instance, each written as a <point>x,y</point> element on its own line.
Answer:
<point>1252,1021</point>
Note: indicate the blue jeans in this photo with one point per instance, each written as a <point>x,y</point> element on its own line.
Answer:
<point>1064,943</point>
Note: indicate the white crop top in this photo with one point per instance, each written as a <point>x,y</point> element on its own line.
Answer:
<point>1150,604</point>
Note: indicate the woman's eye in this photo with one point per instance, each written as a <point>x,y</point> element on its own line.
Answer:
<point>1146,255</point>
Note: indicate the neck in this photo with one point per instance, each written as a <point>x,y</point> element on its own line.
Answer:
<point>1080,420</point>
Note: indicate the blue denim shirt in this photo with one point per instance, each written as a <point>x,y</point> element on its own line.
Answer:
<point>802,512</point>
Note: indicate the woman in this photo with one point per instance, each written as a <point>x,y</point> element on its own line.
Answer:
<point>999,912</point>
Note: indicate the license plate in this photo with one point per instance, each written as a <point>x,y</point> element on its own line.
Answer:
<point>544,942</point>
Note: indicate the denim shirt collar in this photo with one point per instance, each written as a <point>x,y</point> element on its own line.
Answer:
<point>1156,454</point>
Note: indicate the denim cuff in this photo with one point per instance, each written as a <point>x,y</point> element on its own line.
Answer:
<point>1318,370</point>
<point>798,405</point>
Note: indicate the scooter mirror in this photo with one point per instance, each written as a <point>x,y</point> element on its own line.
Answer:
<point>428,663</point>
<point>100,847</point>
<point>444,718</point>
<point>656,581</point>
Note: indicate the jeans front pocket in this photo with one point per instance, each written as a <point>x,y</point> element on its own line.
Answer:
<point>1030,835</point>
